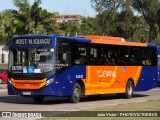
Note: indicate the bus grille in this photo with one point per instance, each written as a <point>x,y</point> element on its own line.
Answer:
<point>35,76</point>
<point>27,77</point>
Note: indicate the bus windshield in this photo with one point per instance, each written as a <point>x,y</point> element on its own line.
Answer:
<point>40,59</point>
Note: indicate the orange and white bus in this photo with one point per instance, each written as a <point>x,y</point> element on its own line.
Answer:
<point>51,65</point>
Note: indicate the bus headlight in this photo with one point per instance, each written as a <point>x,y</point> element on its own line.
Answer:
<point>9,81</point>
<point>49,81</point>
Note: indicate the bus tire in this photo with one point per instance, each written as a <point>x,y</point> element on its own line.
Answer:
<point>76,94</point>
<point>38,99</point>
<point>129,90</point>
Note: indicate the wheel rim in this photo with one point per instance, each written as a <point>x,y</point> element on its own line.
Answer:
<point>76,92</point>
<point>129,89</point>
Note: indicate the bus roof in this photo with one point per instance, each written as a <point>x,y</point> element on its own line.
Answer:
<point>116,41</point>
<point>106,38</point>
<point>93,39</point>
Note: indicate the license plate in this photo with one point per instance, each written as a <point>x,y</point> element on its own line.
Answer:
<point>26,93</point>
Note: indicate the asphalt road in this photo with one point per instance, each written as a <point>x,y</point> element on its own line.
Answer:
<point>17,103</point>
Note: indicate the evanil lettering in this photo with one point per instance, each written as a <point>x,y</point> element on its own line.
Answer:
<point>105,73</point>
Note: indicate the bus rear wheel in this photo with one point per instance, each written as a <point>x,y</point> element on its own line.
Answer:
<point>38,99</point>
<point>76,94</point>
<point>129,90</point>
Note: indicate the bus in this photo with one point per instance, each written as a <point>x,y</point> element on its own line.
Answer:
<point>68,66</point>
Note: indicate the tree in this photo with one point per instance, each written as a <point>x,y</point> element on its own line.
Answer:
<point>8,26</point>
<point>117,18</point>
<point>32,18</point>
<point>150,11</point>
<point>128,25</point>
<point>1,28</point>
<point>68,28</point>
<point>125,24</point>
<point>88,26</point>
<point>28,19</point>
<point>107,12</point>
<point>23,16</point>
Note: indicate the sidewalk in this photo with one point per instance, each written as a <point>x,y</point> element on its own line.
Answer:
<point>3,90</point>
<point>3,87</point>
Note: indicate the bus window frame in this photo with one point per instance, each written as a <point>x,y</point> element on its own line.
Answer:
<point>138,58</point>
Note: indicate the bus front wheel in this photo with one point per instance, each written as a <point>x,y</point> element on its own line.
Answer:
<point>76,94</point>
<point>38,99</point>
<point>129,90</point>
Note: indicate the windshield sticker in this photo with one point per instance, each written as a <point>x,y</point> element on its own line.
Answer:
<point>25,69</point>
<point>16,68</point>
<point>31,69</point>
<point>37,70</point>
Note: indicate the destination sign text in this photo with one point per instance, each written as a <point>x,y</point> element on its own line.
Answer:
<point>22,41</point>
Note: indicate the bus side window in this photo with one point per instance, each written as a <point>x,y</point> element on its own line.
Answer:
<point>63,54</point>
<point>64,58</point>
<point>80,56</point>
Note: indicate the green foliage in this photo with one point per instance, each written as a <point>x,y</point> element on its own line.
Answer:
<point>118,18</point>
<point>68,28</point>
<point>3,66</point>
<point>114,18</point>
<point>88,26</point>
<point>8,26</point>
<point>130,26</point>
<point>32,18</point>
<point>28,19</point>
<point>85,26</point>
<point>107,12</point>
<point>150,9</point>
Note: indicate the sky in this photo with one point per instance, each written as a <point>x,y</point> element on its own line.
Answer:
<point>82,7</point>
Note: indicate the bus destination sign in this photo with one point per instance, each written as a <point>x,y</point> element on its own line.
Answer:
<point>32,41</point>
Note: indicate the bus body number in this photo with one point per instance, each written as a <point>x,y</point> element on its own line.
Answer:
<point>79,76</point>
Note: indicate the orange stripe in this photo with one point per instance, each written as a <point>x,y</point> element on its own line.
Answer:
<point>113,40</point>
<point>99,88</point>
<point>28,84</point>
<point>137,75</point>
<point>100,79</point>
<point>113,78</point>
<point>106,38</point>
<point>119,43</point>
<point>89,73</point>
<point>28,81</point>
